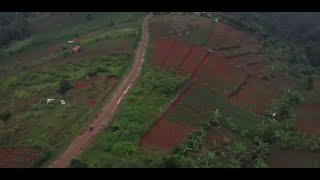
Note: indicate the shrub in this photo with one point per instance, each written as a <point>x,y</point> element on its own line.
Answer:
<point>314,144</point>
<point>64,86</point>
<point>45,153</point>
<point>124,148</point>
<point>92,73</point>
<point>5,116</point>
<point>78,163</point>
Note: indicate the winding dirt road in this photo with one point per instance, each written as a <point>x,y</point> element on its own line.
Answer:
<point>107,112</point>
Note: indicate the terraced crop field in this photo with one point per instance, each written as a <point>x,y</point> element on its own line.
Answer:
<point>21,157</point>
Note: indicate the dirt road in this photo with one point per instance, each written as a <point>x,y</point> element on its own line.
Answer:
<point>107,112</point>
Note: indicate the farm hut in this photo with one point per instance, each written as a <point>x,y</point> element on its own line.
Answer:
<point>76,48</point>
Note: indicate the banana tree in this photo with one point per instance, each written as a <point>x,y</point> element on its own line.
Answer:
<point>235,163</point>
<point>209,159</point>
<point>240,150</point>
<point>260,163</point>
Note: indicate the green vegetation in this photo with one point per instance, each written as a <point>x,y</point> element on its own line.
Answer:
<point>13,27</point>
<point>117,146</point>
<point>33,121</point>
<point>240,119</point>
<point>5,116</point>
<point>286,106</point>
<point>64,86</point>
<point>77,163</point>
<point>198,151</point>
<point>71,25</point>
<point>117,34</point>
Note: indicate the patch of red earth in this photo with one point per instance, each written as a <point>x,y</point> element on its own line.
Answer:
<point>216,135</point>
<point>308,118</point>
<point>255,68</point>
<point>251,98</point>
<point>225,34</point>
<point>196,69</point>
<point>177,54</point>
<point>192,60</point>
<point>292,159</point>
<point>258,94</point>
<point>90,102</point>
<point>160,50</point>
<point>241,61</point>
<point>93,102</point>
<point>86,83</point>
<point>164,135</point>
<point>81,84</point>
<point>21,157</point>
<point>165,59</point>
<point>218,74</point>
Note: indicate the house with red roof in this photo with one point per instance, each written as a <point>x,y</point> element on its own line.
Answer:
<point>76,48</point>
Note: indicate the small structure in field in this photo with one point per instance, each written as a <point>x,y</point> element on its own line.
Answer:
<point>49,100</point>
<point>76,48</point>
<point>70,42</point>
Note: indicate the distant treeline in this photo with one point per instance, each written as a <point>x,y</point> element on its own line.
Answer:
<point>13,26</point>
<point>301,29</point>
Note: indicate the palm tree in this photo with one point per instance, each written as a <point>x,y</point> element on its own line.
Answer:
<point>263,148</point>
<point>234,163</point>
<point>209,159</point>
<point>282,137</point>
<point>260,163</point>
<point>240,150</point>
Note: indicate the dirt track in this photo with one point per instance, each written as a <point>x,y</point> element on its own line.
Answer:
<point>105,115</point>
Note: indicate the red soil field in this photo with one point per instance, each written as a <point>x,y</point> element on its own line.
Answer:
<point>164,135</point>
<point>193,59</point>
<point>241,61</point>
<point>81,84</point>
<point>218,74</point>
<point>292,159</point>
<point>90,102</point>
<point>257,95</point>
<point>225,34</point>
<point>21,157</point>
<point>178,53</point>
<point>308,118</point>
<point>86,83</point>
<point>160,49</point>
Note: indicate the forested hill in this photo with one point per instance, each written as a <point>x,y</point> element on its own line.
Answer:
<point>301,29</point>
<point>13,26</point>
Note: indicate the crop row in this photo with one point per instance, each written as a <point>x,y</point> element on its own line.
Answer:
<point>245,120</point>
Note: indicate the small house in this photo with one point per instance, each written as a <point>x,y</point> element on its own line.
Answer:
<point>76,48</point>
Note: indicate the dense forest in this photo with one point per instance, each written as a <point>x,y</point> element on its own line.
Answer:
<point>13,26</point>
<point>298,30</point>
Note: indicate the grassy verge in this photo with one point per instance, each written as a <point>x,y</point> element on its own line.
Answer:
<point>118,145</point>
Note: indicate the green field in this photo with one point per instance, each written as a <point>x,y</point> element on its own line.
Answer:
<point>118,145</point>
<point>92,74</point>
